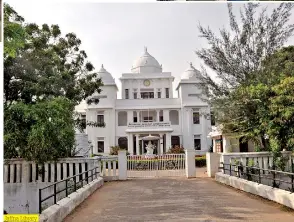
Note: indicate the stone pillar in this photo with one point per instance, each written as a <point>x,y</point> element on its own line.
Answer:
<point>137,145</point>
<point>122,165</point>
<point>161,143</point>
<point>190,163</point>
<point>168,141</point>
<point>212,163</point>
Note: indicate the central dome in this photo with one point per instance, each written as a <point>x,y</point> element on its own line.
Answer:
<point>146,64</point>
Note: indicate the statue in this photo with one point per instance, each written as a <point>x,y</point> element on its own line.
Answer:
<point>150,148</point>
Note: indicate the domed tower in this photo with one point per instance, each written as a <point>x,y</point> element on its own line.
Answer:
<point>189,85</point>
<point>146,64</point>
<point>109,88</point>
<point>104,112</point>
<point>195,124</point>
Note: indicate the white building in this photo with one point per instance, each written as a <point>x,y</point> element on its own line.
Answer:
<point>148,108</point>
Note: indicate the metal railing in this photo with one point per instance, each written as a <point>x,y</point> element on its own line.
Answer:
<point>260,175</point>
<point>85,178</point>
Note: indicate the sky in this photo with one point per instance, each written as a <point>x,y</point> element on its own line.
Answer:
<point>114,34</point>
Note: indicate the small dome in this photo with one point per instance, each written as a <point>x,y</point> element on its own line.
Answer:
<point>146,64</point>
<point>191,73</point>
<point>105,76</point>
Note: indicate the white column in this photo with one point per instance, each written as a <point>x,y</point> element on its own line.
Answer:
<point>138,116</point>
<point>122,165</point>
<point>190,163</point>
<point>142,147</point>
<point>168,141</point>
<point>157,114</point>
<point>161,143</point>
<point>130,143</point>
<point>166,115</point>
<point>137,145</point>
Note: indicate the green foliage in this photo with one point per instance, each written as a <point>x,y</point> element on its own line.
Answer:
<point>45,75</point>
<point>14,33</point>
<point>41,132</point>
<point>200,161</point>
<point>254,96</point>
<point>249,63</point>
<point>176,150</point>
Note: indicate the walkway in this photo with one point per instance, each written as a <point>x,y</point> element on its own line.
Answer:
<point>175,199</point>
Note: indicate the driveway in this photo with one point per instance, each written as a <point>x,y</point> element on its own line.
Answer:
<point>175,199</point>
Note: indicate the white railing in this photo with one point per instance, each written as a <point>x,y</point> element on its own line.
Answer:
<point>108,166</point>
<point>21,171</point>
<point>167,165</point>
<point>260,159</point>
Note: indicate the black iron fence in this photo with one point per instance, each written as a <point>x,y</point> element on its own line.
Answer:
<point>270,177</point>
<point>67,186</point>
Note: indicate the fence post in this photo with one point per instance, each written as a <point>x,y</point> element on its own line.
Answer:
<point>122,164</point>
<point>212,163</point>
<point>190,163</point>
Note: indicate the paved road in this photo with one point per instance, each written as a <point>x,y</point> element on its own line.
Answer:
<point>175,200</point>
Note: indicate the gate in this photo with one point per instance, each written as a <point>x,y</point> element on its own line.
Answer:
<point>166,165</point>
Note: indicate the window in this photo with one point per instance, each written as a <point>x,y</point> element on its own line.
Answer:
<point>83,116</point>
<point>197,142</point>
<point>160,118</point>
<point>148,119</point>
<point>196,118</point>
<point>212,119</point>
<point>158,94</point>
<point>135,119</point>
<point>100,145</point>
<point>127,93</point>
<point>100,119</point>
<point>166,92</point>
<point>135,95</point>
<point>147,95</point>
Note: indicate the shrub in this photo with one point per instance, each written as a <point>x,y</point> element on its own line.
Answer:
<point>176,150</point>
<point>114,150</point>
<point>200,161</point>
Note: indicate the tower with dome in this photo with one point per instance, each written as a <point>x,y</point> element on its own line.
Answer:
<point>148,112</point>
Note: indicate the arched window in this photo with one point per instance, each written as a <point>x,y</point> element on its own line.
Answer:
<point>123,142</point>
<point>122,118</point>
<point>174,117</point>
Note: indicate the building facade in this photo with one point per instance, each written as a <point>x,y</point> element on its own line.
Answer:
<point>148,111</point>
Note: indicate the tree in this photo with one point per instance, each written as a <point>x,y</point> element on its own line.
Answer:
<point>241,59</point>
<point>45,75</point>
<point>40,132</point>
<point>47,66</point>
<point>235,55</point>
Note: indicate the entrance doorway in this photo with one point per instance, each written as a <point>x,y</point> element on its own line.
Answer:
<point>243,145</point>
